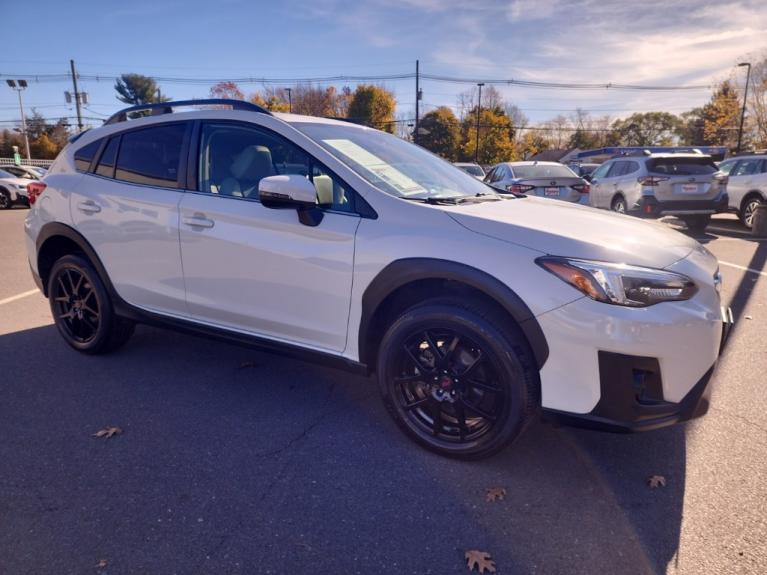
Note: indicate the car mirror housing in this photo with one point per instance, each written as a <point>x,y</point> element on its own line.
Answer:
<point>291,191</point>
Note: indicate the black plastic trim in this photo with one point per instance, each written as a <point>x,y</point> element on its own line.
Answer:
<point>718,204</point>
<point>161,108</point>
<point>624,409</point>
<point>405,271</point>
<point>128,311</point>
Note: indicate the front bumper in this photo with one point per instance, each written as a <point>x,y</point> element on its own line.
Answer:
<point>632,397</point>
<point>650,207</point>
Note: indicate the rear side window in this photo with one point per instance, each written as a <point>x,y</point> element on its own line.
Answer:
<point>682,166</point>
<point>151,156</point>
<point>106,165</point>
<point>618,169</point>
<point>747,167</point>
<point>84,156</point>
<point>601,171</point>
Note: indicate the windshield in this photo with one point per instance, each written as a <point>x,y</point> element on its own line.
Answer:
<point>393,165</point>
<point>542,171</point>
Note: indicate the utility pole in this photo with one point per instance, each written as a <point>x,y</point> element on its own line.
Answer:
<point>417,98</point>
<point>290,100</point>
<point>745,97</point>
<point>19,86</point>
<point>479,108</point>
<point>77,97</point>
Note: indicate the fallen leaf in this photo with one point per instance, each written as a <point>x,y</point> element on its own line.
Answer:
<point>495,494</point>
<point>749,317</point>
<point>655,481</point>
<point>101,564</point>
<point>108,432</point>
<point>481,560</point>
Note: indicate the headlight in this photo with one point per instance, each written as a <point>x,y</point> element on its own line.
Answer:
<point>620,284</point>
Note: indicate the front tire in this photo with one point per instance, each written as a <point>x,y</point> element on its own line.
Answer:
<point>618,205</point>
<point>747,212</point>
<point>697,223</point>
<point>456,381</point>
<point>82,309</point>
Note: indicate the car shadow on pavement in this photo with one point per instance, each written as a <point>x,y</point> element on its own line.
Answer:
<point>235,461</point>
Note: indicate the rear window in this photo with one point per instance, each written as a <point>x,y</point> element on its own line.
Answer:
<point>84,156</point>
<point>473,170</point>
<point>682,166</point>
<point>151,156</point>
<point>543,171</point>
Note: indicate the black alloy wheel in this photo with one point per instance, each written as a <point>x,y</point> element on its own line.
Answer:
<point>455,382</point>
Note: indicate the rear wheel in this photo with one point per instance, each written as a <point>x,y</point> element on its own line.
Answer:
<point>697,223</point>
<point>82,309</point>
<point>747,211</point>
<point>5,199</point>
<point>456,382</point>
<point>618,205</point>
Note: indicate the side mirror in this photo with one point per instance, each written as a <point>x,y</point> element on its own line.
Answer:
<point>291,191</point>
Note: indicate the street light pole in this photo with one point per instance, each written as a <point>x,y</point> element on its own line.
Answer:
<point>479,109</point>
<point>745,97</point>
<point>22,84</point>
<point>290,100</point>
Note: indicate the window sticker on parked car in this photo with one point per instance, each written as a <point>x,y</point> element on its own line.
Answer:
<point>376,166</point>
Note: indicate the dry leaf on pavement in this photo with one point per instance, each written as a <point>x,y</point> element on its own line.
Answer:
<point>481,560</point>
<point>495,494</point>
<point>101,564</point>
<point>655,481</point>
<point>108,432</point>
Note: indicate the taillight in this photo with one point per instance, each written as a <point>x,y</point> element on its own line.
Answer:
<point>651,180</point>
<point>723,180</point>
<point>519,188</point>
<point>582,188</point>
<point>34,189</point>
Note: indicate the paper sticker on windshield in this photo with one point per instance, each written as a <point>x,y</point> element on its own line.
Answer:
<point>377,167</point>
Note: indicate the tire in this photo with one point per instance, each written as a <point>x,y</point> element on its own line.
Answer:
<point>5,199</point>
<point>696,223</point>
<point>456,381</point>
<point>746,214</point>
<point>82,309</point>
<point>618,205</point>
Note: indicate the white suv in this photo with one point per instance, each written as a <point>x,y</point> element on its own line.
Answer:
<point>748,184</point>
<point>340,242</point>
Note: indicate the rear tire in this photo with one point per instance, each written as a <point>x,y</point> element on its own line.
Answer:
<point>5,199</point>
<point>457,381</point>
<point>697,223</point>
<point>82,309</point>
<point>618,205</point>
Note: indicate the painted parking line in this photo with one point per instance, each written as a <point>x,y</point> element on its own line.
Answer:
<point>19,296</point>
<point>727,231</point>
<point>736,266</point>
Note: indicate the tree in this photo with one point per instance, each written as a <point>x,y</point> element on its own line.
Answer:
<point>557,131</point>
<point>647,129</point>
<point>43,148</point>
<point>757,104</point>
<point>721,117</point>
<point>583,140</point>
<point>228,90</point>
<point>495,136</point>
<point>136,89</point>
<point>440,132</point>
<point>691,128</point>
<point>530,144</point>
<point>313,100</point>
<point>373,106</point>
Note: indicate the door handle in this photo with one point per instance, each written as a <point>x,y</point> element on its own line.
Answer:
<point>198,222</point>
<point>88,207</point>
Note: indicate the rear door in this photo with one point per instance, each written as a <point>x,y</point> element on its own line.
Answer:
<point>127,209</point>
<point>259,270</point>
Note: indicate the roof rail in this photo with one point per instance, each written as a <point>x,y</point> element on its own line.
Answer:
<point>160,108</point>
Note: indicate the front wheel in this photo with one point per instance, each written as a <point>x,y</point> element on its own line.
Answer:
<point>697,223</point>
<point>747,213</point>
<point>81,308</point>
<point>455,381</point>
<point>619,205</point>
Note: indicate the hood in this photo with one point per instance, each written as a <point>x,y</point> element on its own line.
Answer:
<point>571,230</point>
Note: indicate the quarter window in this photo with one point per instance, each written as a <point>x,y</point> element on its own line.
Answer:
<point>84,156</point>
<point>234,159</point>
<point>106,165</point>
<point>151,156</point>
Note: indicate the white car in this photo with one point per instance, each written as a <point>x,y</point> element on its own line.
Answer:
<point>748,184</point>
<point>13,190</point>
<point>25,172</point>
<point>341,243</point>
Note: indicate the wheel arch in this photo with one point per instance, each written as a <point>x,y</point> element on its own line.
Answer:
<point>56,240</point>
<point>405,282</point>
<point>618,194</point>
<point>751,194</point>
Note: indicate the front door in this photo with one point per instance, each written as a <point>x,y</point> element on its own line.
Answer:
<point>259,270</point>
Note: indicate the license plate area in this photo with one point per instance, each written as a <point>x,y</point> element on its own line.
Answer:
<point>688,188</point>
<point>551,191</point>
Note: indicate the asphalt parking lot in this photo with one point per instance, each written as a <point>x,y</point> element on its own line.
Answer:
<point>236,461</point>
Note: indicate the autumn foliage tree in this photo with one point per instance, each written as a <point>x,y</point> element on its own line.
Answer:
<point>228,90</point>
<point>440,132</point>
<point>496,135</point>
<point>721,117</point>
<point>373,106</point>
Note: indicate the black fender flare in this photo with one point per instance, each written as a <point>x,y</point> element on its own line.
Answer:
<point>408,270</point>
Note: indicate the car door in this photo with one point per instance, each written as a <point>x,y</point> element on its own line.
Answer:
<point>741,180</point>
<point>259,270</point>
<point>597,188</point>
<point>127,209</point>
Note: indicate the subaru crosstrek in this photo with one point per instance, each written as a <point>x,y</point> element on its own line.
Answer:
<point>338,242</point>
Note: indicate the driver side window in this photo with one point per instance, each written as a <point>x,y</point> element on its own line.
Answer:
<point>234,159</point>
<point>600,171</point>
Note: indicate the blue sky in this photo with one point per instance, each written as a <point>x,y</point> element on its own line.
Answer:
<point>674,42</point>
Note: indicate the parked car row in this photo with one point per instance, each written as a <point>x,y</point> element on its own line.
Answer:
<point>13,184</point>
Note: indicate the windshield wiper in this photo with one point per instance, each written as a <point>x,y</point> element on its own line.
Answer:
<point>435,200</point>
